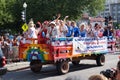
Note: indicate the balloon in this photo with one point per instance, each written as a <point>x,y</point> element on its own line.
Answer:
<point>43,34</point>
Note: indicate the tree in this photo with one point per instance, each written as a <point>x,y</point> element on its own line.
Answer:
<point>5,14</point>
<point>46,9</point>
<point>41,10</point>
<point>95,6</point>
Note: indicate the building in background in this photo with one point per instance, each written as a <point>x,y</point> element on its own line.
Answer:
<point>115,11</point>
<point>112,8</point>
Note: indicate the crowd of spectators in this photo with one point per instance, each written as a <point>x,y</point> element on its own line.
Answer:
<point>9,45</point>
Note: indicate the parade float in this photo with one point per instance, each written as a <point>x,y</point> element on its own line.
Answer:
<point>60,51</point>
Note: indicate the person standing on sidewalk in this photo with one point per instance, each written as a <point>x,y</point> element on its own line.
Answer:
<point>1,52</point>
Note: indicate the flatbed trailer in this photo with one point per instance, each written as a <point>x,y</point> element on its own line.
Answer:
<point>61,51</point>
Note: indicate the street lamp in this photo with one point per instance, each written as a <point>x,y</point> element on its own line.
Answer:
<point>25,6</point>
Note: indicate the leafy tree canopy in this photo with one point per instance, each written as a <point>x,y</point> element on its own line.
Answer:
<point>10,10</point>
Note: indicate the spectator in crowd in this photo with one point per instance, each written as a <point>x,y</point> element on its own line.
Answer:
<point>74,77</point>
<point>107,32</point>
<point>11,37</point>
<point>83,31</point>
<point>10,52</point>
<point>97,77</point>
<point>15,47</point>
<point>5,46</point>
<point>118,71</point>
<point>117,33</point>
<point>117,36</point>
<point>113,74</point>
<point>18,38</point>
<point>1,52</point>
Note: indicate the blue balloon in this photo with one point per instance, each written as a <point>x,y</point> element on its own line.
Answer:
<point>43,34</point>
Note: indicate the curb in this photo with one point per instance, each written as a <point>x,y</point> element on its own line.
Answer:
<point>18,69</point>
<point>17,66</point>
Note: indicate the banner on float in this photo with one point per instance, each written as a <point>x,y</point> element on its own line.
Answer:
<point>61,41</point>
<point>89,45</point>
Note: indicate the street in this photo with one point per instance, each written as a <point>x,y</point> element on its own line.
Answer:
<point>85,69</point>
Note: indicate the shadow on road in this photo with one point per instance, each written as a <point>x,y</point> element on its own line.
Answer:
<point>46,72</point>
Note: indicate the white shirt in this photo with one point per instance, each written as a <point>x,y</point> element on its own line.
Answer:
<point>63,32</point>
<point>52,32</point>
<point>32,33</point>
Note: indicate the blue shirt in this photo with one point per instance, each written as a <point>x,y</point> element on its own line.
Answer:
<point>76,31</point>
<point>70,31</point>
<point>11,37</point>
<point>83,33</point>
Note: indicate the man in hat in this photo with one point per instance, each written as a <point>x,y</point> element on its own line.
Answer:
<point>53,32</point>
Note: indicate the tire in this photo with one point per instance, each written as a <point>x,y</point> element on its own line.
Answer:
<point>35,66</point>
<point>100,60</point>
<point>75,62</point>
<point>62,67</point>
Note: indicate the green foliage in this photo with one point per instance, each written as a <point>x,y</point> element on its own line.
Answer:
<point>5,14</point>
<point>41,10</point>
<point>95,6</point>
<point>47,9</point>
<point>116,25</point>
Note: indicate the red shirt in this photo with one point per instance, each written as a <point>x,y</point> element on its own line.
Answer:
<point>41,38</point>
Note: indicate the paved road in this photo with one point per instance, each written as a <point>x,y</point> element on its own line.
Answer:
<point>83,71</point>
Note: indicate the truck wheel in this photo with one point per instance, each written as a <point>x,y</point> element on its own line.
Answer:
<point>35,66</point>
<point>100,60</point>
<point>62,67</point>
<point>75,62</point>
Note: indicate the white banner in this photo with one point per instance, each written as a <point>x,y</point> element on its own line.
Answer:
<point>89,45</point>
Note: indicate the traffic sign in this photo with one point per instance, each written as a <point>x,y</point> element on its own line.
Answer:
<point>25,27</point>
